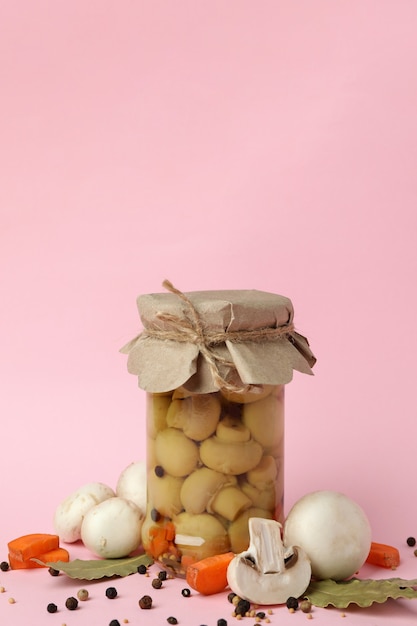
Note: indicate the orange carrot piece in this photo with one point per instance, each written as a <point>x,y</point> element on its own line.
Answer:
<point>209,575</point>
<point>169,531</point>
<point>383,555</point>
<point>58,554</point>
<point>25,547</point>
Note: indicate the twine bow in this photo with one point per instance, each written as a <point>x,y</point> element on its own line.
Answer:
<point>190,329</point>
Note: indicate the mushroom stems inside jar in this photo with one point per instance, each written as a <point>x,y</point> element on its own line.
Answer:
<point>213,461</point>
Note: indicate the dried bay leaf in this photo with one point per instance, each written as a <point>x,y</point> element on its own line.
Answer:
<point>365,592</point>
<point>100,568</point>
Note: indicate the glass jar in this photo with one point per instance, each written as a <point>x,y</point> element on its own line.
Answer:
<point>214,365</point>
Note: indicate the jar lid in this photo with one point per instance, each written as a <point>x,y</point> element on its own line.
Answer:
<point>208,340</point>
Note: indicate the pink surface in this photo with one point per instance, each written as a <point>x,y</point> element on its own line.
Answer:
<point>267,145</point>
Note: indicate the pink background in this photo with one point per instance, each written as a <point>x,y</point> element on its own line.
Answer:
<point>268,145</point>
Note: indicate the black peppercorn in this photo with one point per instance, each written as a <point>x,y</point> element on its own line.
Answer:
<point>4,566</point>
<point>292,603</point>
<point>162,575</point>
<point>111,592</point>
<point>142,569</point>
<point>186,593</point>
<point>71,603</point>
<point>261,615</point>
<point>155,515</point>
<point>242,607</point>
<point>53,571</point>
<point>159,471</point>
<point>172,620</point>
<point>411,541</point>
<point>221,622</point>
<point>114,622</point>
<point>157,583</point>
<point>52,608</point>
<point>145,602</point>
<point>230,596</point>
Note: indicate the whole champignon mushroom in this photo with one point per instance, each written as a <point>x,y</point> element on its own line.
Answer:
<point>131,484</point>
<point>268,573</point>
<point>333,530</point>
<point>112,529</point>
<point>70,513</point>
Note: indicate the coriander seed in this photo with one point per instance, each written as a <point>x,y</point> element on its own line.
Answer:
<point>82,594</point>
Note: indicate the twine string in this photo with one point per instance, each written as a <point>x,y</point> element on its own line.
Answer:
<point>190,329</point>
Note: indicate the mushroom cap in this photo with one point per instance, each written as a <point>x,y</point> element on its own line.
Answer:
<point>333,530</point>
<point>112,529</point>
<point>200,487</point>
<point>265,420</point>
<point>230,457</point>
<point>175,452</point>
<point>200,536</point>
<point>196,415</point>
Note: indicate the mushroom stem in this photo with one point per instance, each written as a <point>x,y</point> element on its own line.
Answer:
<point>266,545</point>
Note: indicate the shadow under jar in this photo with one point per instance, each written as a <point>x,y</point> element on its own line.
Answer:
<point>214,365</point>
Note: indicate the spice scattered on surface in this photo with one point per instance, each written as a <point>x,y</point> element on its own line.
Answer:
<point>242,607</point>
<point>52,608</point>
<point>111,593</point>
<point>305,606</point>
<point>292,603</point>
<point>221,622</point>
<point>155,515</point>
<point>114,622</point>
<point>82,594</point>
<point>2,589</point>
<point>71,603</point>
<point>156,583</point>
<point>12,601</point>
<point>260,614</point>
<point>53,571</point>
<point>142,569</point>
<point>172,620</point>
<point>411,541</point>
<point>186,593</point>
<point>145,602</point>
<point>162,575</point>
<point>4,566</point>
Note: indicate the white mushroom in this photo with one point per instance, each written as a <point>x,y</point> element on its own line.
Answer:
<point>70,513</point>
<point>131,484</point>
<point>112,529</point>
<point>333,530</point>
<point>268,573</point>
